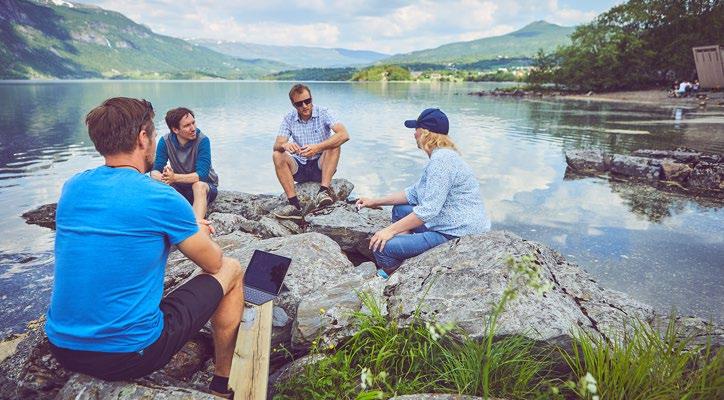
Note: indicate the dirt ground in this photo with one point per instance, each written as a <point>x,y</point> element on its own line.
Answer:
<point>653,97</point>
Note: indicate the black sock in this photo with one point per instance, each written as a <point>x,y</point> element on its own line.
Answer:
<point>323,189</point>
<point>220,384</point>
<point>295,202</point>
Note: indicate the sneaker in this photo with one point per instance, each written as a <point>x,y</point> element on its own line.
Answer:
<point>324,199</point>
<point>382,274</point>
<point>288,212</point>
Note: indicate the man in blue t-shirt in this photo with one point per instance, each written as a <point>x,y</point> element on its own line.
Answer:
<point>188,151</point>
<point>107,317</point>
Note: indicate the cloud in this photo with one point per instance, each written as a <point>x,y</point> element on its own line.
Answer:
<point>393,26</point>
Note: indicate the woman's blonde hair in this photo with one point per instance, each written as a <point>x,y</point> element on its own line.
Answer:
<point>430,141</point>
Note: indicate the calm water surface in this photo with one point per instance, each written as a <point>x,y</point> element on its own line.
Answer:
<point>665,250</point>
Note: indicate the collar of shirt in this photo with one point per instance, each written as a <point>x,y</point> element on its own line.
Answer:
<point>315,114</point>
<point>174,138</point>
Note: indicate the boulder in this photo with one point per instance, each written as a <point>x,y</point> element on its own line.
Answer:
<point>307,192</point>
<point>462,280</point>
<point>635,167</point>
<point>707,177</point>
<point>225,223</point>
<point>43,216</point>
<point>682,156</point>
<point>324,316</point>
<point>675,171</point>
<point>588,160</point>
<point>317,263</point>
<point>249,206</point>
<point>83,387</point>
<point>351,229</point>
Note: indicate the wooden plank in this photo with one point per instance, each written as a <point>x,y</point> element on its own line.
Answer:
<point>250,366</point>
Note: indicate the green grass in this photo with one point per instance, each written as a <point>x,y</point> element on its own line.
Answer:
<point>383,359</point>
<point>648,365</point>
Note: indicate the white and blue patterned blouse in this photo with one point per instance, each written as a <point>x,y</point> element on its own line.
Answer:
<point>315,130</point>
<point>447,196</point>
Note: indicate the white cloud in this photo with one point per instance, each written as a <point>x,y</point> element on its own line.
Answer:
<point>392,26</point>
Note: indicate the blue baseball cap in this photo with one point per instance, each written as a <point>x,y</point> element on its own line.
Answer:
<point>431,119</point>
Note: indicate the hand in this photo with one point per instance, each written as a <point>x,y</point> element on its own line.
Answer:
<point>378,241</point>
<point>363,202</point>
<point>310,150</point>
<point>168,176</point>
<point>206,226</point>
<point>291,147</point>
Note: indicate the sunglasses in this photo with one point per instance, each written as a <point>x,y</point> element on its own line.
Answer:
<point>149,110</point>
<point>305,102</point>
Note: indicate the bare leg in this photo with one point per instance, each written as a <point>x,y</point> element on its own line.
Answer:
<point>227,317</point>
<point>285,167</point>
<point>201,192</point>
<point>328,164</point>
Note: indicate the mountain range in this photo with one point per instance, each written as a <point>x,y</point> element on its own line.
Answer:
<point>58,39</point>
<point>298,56</point>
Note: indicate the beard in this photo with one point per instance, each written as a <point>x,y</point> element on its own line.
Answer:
<point>148,160</point>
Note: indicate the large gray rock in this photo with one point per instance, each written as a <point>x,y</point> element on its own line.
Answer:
<point>707,177</point>
<point>83,387</point>
<point>462,280</point>
<point>682,156</point>
<point>585,161</point>
<point>325,316</point>
<point>307,192</point>
<point>317,263</point>
<point>351,229</point>
<point>635,167</point>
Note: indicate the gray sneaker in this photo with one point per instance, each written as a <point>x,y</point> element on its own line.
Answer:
<point>324,199</point>
<point>289,212</point>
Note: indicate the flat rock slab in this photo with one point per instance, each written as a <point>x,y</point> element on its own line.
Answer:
<point>462,280</point>
<point>350,228</point>
<point>83,387</point>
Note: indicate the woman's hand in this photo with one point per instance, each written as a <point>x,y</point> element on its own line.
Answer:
<point>363,202</point>
<point>378,241</point>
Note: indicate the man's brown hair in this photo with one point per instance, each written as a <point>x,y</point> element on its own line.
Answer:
<point>175,115</point>
<point>298,89</point>
<point>115,124</point>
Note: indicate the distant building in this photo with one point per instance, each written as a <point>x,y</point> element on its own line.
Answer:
<point>710,66</point>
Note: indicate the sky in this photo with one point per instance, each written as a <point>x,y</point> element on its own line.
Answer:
<point>387,26</point>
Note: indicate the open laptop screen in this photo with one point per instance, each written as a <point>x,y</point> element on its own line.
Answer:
<point>266,271</point>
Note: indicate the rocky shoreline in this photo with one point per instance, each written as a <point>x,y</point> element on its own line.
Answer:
<point>682,170</point>
<point>459,281</point>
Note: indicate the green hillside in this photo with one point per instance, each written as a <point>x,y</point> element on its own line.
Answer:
<point>45,40</point>
<point>298,56</point>
<point>523,43</point>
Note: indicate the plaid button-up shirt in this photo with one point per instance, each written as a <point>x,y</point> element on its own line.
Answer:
<point>315,130</point>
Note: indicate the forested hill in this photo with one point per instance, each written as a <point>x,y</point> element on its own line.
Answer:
<point>58,39</point>
<point>521,43</point>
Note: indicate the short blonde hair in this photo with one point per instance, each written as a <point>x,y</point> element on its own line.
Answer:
<point>430,141</point>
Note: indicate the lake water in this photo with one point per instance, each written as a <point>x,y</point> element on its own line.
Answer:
<point>665,250</point>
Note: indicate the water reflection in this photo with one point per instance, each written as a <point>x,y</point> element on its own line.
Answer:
<point>620,234</point>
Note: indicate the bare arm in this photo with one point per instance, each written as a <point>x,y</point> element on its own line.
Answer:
<point>203,251</point>
<point>282,144</point>
<point>389,200</point>
<point>338,139</point>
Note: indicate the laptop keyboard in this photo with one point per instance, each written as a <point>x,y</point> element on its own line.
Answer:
<point>256,296</point>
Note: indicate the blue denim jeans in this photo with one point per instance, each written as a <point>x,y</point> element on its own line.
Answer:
<point>402,247</point>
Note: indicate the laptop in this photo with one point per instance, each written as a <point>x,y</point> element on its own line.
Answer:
<point>264,277</point>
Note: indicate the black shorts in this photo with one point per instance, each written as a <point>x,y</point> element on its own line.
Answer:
<point>188,193</point>
<point>309,172</point>
<point>185,312</point>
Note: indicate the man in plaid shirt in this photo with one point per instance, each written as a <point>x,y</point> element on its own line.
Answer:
<point>313,153</point>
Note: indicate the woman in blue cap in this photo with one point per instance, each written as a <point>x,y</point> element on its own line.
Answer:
<point>444,204</point>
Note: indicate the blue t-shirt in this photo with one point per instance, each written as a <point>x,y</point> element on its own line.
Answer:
<point>114,229</point>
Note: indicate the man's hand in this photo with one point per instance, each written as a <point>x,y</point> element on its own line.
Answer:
<point>168,176</point>
<point>363,202</point>
<point>378,241</point>
<point>292,147</point>
<point>206,227</point>
<point>310,150</point>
